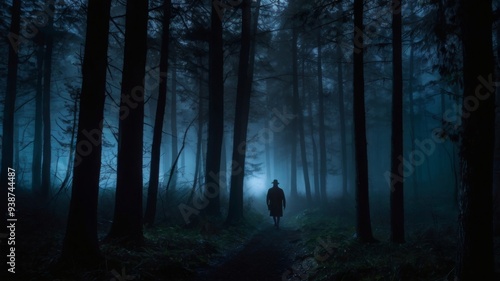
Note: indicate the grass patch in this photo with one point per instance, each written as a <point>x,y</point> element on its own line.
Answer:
<point>428,254</point>
<point>178,252</point>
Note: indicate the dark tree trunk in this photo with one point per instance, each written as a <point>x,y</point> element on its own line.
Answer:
<point>223,169</point>
<point>303,151</point>
<point>127,221</point>
<point>235,212</point>
<point>81,242</point>
<point>315,168</point>
<point>293,164</point>
<point>251,67</point>
<point>268,147</point>
<point>496,165</point>
<point>203,160</point>
<point>69,170</point>
<point>475,239</point>
<point>268,152</point>
<point>363,221</point>
<point>17,143</point>
<point>167,161</point>
<point>10,104</point>
<point>455,162</point>
<point>497,19</point>
<point>215,114</point>
<point>317,193</point>
<point>340,89</point>
<point>412,108</point>
<point>36,167</point>
<point>321,111</point>
<point>293,133</point>
<point>173,118</point>
<point>397,195</point>
<point>47,132</point>
<point>149,215</point>
<point>182,164</point>
<point>199,134</point>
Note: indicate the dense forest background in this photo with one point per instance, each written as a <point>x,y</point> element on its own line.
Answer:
<point>145,134</point>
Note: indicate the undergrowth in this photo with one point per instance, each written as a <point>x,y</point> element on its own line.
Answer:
<point>335,254</point>
<point>323,244</point>
<point>171,251</point>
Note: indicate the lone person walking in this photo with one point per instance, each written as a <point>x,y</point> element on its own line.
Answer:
<point>275,201</point>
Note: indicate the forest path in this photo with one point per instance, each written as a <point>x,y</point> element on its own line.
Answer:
<point>267,256</point>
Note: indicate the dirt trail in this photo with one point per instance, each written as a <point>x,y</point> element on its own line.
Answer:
<point>266,257</point>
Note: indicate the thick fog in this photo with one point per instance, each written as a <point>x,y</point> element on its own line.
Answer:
<point>277,86</point>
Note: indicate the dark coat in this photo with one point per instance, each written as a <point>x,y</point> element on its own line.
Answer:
<point>275,201</point>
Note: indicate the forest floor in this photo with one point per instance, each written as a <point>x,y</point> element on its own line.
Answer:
<point>268,255</point>
<point>311,245</point>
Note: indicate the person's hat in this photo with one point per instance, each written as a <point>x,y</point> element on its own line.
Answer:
<point>275,181</point>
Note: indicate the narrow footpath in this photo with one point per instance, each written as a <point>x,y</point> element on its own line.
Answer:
<point>269,255</point>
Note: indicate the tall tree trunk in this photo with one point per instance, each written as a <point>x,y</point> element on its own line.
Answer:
<point>182,164</point>
<point>199,134</point>
<point>293,164</point>
<point>397,195</point>
<point>496,165</point>
<point>17,143</point>
<point>81,242</point>
<point>340,89</point>
<point>167,158</point>
<point>36,167</point>
<point>267,148</point>
<point>497,20</point>
<point>322,138</point>
<point>475,239</point>
<point>251,66</point>
<point>454,164</point>
<point>412,108</point>
<point>235,211</point>
<point>293,133</point>
<point>315,169</point>
<point>363,221</point>
<point>203,160</point>
<point>154,174</point>
<point>267,143</point>
<point>127,221</point>
<point>223,170</point>
<point>10,104</point>
<point>279,155</point>
<point>215,114</point>
<point>47,132</point>
<point>303,152</point>
<point>69,170</point>
<point>173,117</point>
<point>317,193</point>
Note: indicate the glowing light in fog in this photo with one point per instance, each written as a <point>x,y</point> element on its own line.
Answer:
<point>256,184</point>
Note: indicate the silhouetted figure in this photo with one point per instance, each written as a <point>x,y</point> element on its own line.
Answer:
<point>275,201</point>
